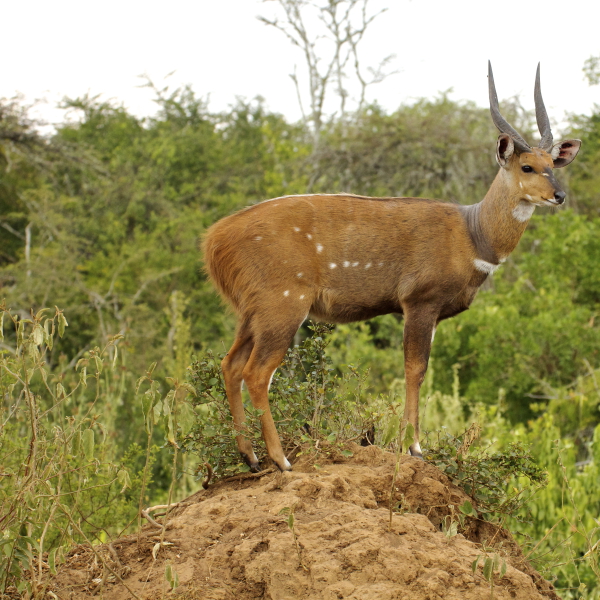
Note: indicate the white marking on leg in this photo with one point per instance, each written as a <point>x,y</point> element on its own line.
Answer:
<point>484,266</point>
<point>319,248</point>
<point>433,335</point>
<point>417,448</point>
<point>332,265</point>
<point>523,211</point>
<point>286,293</point>
<point>286,462</point>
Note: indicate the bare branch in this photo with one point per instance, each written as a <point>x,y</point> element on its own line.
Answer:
<point>12,230</point>
<point>329,50</point>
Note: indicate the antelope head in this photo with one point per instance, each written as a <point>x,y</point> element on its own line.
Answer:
<point>529,170</point>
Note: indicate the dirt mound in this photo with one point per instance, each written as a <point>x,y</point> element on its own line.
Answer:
<point>232,541</point>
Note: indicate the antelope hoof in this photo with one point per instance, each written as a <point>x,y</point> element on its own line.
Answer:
<point>252,463</point>
<point>285,466</point>
<point>415,450</point>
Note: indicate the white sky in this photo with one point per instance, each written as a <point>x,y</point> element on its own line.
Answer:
<point>62,48</point>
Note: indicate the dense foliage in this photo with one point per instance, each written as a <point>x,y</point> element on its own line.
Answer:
<point>103,218</point>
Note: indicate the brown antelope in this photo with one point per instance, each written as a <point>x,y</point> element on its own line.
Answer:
<point>343,258</point>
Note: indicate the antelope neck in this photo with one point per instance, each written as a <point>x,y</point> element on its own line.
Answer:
<point>483,247</point>
<point>493,229</point>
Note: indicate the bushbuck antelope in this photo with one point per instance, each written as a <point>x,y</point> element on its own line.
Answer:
<point>343,258</point>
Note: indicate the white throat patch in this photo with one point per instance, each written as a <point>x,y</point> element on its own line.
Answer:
<point>522,212</point>
<point>484,266</point>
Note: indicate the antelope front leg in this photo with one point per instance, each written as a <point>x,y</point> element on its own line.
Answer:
<point>419,325</point>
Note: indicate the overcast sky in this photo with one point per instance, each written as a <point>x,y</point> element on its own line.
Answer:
<point>73,47</point>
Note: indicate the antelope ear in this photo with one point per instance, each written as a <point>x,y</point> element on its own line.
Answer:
<point>564,152</point>
<point>505,148</point>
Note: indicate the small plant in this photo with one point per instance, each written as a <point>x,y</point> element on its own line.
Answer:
<point>405,437</point>
<point>171,576</point>
<point>452,522</point>
<point>500,482</point>
<point>491,565</point>
<point>289,511</point>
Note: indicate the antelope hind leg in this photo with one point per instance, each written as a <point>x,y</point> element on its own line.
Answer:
<point>232,367</point>
<point>268,352</point>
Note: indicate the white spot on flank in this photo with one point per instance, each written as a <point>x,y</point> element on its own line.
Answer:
<point>381,264</point>
<point>299,275</point>
<point>302,297</point>
<point>332,265</point>
<point>520,184</point>
<point>522,212</point>
<point>319,248</point>
<point>355,264</point>
<point>368,266</point>
<point>484,266</point>
<point>346,263</point>
<point>286,293</point>
<point>309,236</point>
<point>296,229</point>
<point>258,238</point>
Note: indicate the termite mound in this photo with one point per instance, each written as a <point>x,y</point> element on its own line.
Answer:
<point>236,540</point>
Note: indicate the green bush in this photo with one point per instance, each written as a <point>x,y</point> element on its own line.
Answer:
<point>309,399</point>
<point>63,479</point>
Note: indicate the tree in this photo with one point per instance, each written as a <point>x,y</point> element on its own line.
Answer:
<point>330,53</point>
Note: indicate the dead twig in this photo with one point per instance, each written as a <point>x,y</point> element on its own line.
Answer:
<point>167,507</point>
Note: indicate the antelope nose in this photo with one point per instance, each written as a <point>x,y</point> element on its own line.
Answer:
<point>560,197</point>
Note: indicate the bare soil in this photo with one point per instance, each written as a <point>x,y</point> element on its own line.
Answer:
<point>232,541</point>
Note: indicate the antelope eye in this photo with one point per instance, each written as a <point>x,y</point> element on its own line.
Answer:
<point>527,169</point>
